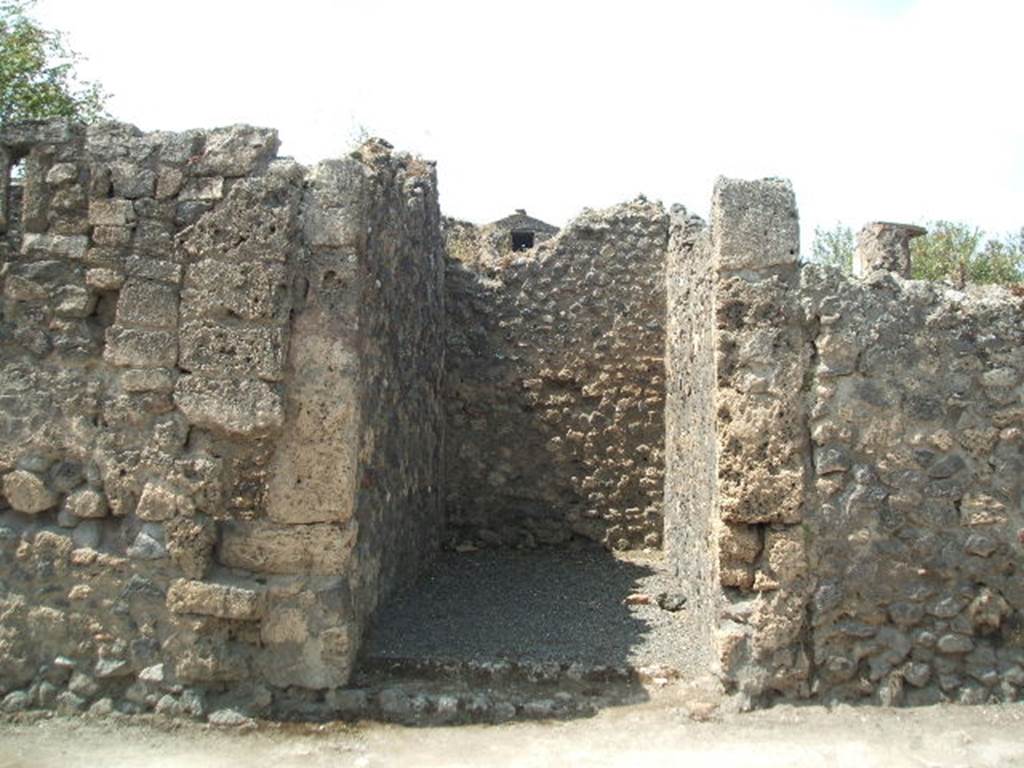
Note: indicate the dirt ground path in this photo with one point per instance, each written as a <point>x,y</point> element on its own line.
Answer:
<point>646,735</point>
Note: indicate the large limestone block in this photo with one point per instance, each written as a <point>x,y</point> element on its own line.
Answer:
<point>313,473</point>
<point>248,408</point>
<point>236,150</point>
<point>147,303</point>
<point>222,349</point>
<point>336,207</point>
<point>754,224</point>
<point>256,221</point>
<point>245,290</point>
<point>316,549</point>
<point>225,601</point>
<point>139,348</point>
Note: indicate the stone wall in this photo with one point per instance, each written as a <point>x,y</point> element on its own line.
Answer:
<point>216,453</point>
<point>869,459</point>
<point>917,423</point>
<point>489,246</point>
<point>690,469</point>
<point>240,399</point>
<point>555,385</point>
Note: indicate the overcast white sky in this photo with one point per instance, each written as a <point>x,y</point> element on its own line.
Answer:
<point>881,109</point>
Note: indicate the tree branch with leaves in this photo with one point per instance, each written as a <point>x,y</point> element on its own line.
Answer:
<point>38,78</point>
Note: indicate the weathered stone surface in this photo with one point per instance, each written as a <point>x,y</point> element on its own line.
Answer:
<point>26,492</point>
<point>336,214</point>
<point>207,189</point>
<point>62,246</point>
<point>556,383</point>
<point>235,151</point>
<point>226,601</point>
<point>244,409</point>
<point>190,544</point>
<point>319,549</point>
<point>314,470</point>
<point>148,545</point>
<point>256,221</point>
<point>137,348</point>
<point>160,502</point>
<point>763,230</point>
<point>227,289</point>
<point>143,303</point>
<point>217,349</point>
<point>843,497</point>
<point>148,380</point>
<point>116,213</point>
<point>86,503</point>
<point>883,245</point>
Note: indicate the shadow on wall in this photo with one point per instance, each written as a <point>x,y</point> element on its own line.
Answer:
<point>555,384</point>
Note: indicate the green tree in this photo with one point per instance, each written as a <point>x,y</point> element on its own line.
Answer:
<point>833,247</point>
<point>37,71</point>
<point>960,253</point>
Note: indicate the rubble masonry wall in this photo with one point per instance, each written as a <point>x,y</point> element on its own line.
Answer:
<point>240,399</point>
<point>555,385</point>
<point>215,368</point>
<point>869,452</point>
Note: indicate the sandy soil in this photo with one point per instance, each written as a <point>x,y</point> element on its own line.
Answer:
<point>646,735</point>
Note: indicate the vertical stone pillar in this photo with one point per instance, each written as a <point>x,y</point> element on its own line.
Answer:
<point>762,354</point>
<point>884,245</point>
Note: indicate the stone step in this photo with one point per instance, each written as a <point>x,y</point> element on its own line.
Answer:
<point>435,691</point>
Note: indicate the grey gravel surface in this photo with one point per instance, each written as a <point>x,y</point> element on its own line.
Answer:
<point>543,605</point>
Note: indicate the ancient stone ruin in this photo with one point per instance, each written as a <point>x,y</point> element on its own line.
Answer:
<point>245,403</point>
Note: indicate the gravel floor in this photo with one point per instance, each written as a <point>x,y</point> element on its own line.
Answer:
<point>553,604</point>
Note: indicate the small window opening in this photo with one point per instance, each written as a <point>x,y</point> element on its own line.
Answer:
<point>522,241</point>
<point>10,207</point>
<point>17,171</point>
